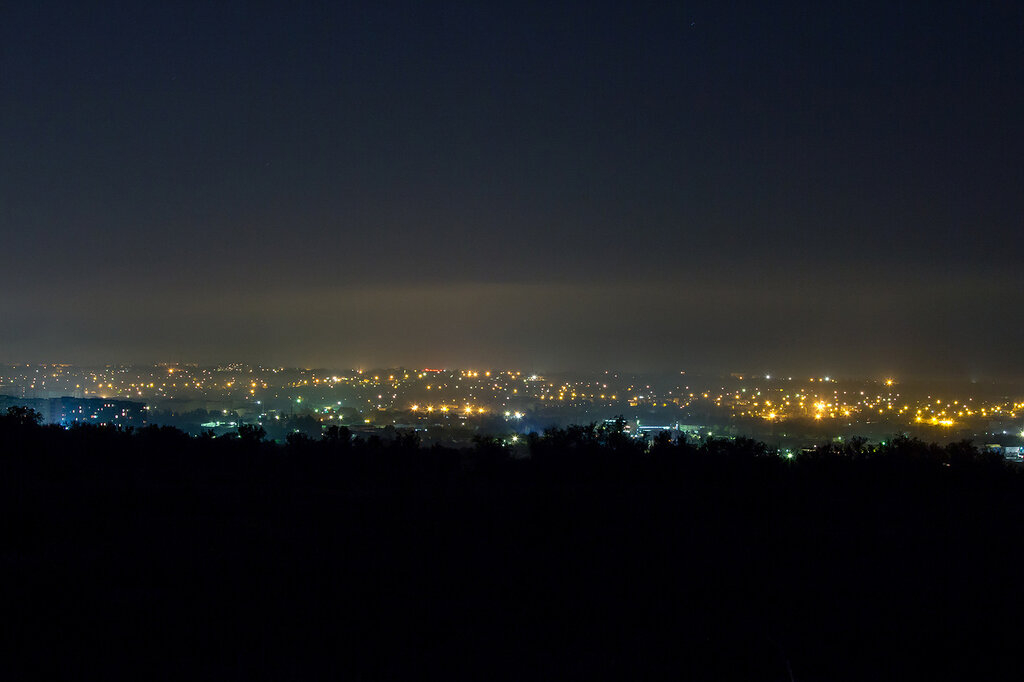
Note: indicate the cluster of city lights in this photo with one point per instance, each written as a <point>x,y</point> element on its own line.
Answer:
<point>511,393</point>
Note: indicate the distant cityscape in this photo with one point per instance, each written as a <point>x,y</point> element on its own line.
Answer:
<point>453,405</point>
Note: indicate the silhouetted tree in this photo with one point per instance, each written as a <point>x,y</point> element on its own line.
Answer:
<point>306,424</point>
<point>251,434</point>
<point>296,440</point>
<point>337,436</point>
<point>20,416</point>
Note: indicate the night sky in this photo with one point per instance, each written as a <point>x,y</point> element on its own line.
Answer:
<point>763,187</point>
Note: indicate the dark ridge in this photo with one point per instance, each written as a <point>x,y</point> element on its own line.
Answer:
<point>153,555</point>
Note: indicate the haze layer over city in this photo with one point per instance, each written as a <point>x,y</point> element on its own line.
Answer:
<point>793,187</point>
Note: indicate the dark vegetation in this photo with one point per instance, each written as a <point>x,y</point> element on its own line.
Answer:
<point>152,554</point>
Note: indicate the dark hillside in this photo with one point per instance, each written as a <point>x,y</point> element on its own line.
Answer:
<point>150,554</point>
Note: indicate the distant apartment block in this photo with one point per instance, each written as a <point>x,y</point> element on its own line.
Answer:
<point>66,411</point>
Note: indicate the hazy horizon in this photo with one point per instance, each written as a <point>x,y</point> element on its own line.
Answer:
<point>739,186</point>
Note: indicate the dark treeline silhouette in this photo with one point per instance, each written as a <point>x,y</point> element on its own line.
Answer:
<point>148,553</point>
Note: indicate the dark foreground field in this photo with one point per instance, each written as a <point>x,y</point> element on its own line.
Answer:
<point>152,555</point>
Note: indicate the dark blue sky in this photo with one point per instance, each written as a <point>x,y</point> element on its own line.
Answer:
<point>738,185</point>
